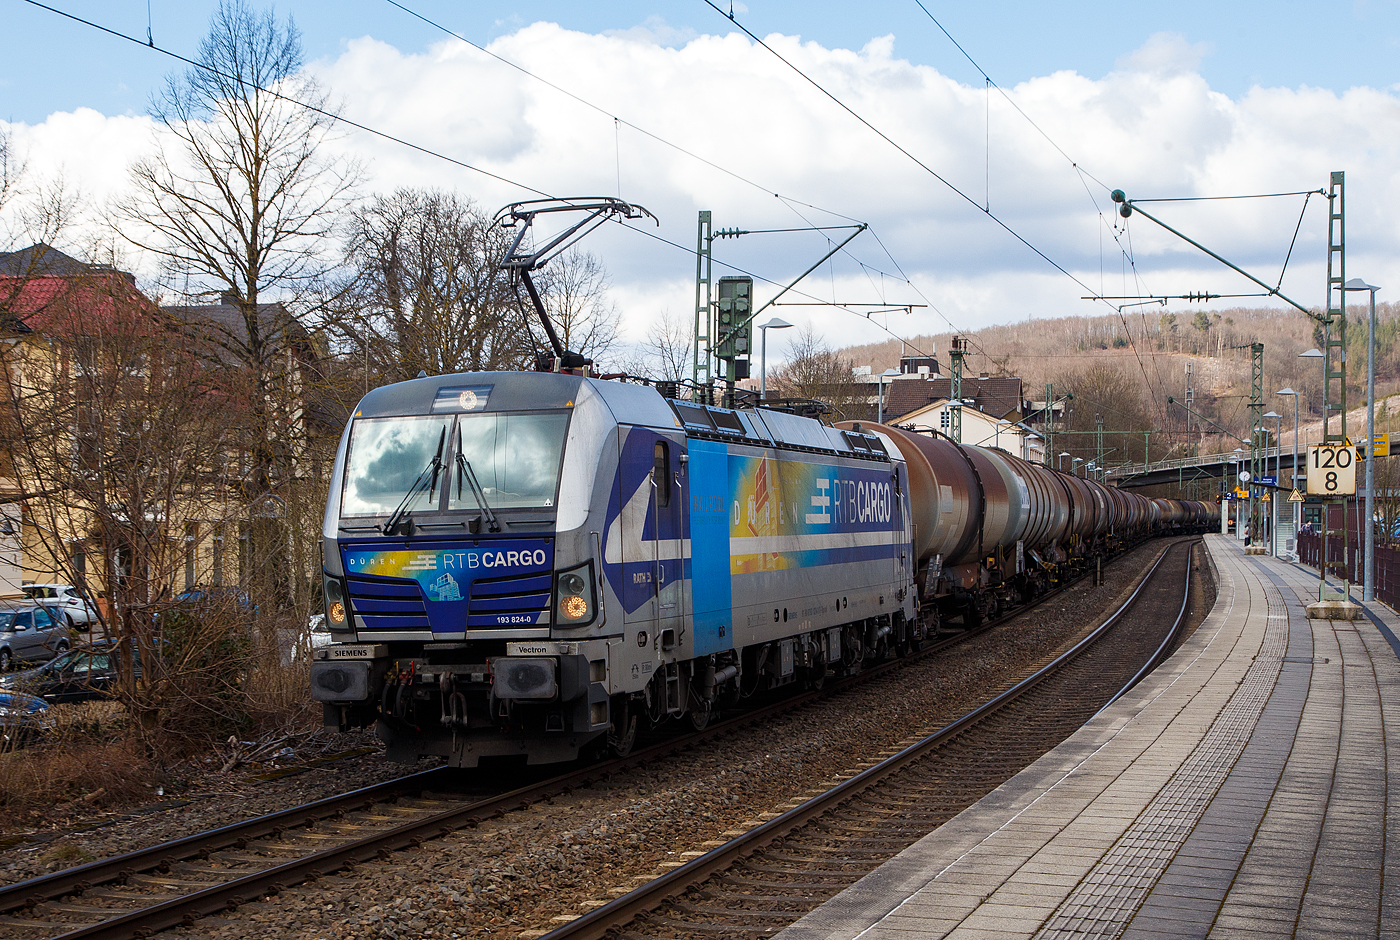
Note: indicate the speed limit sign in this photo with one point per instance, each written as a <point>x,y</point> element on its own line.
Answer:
<point>1331,470</point>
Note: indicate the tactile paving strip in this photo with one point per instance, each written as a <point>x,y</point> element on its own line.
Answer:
<point>1103,903</point>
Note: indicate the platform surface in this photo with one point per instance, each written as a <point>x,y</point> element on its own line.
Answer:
<point>1241,790</point>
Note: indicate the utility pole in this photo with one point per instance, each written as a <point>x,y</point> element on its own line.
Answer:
<point>1334,382</point>
<point>1256,420</point>
<point>1098,441</point>
<point>700,373</point>
<point>1256,415</point>
<point>956,352</point>
<point>1190,399</point>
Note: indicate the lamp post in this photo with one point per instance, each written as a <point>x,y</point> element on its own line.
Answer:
<point>1294,507</point>
<point>763,329</point>
<point>1249,489</point>
<point>1278,475</point>
<point>1060,461</point>
<point>1368,589</point>
<point>1326,516</point>
<point>1074,465</point>
<point>1257,526</point>
<point>880,406</point>
<point>1235,481</point>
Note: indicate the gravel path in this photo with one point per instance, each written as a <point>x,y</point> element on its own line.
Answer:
<point>517,875</point>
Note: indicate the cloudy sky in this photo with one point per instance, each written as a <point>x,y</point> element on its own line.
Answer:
<point>974,194</point>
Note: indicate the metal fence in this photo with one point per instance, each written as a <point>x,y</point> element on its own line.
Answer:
<point>1387,563</point>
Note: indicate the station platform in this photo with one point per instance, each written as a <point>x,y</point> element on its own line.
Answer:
<point>1240,790</point>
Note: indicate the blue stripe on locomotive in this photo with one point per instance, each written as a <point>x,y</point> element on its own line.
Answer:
<point>711,592</point>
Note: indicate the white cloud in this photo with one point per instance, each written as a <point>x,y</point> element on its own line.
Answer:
<point>1165,54</point>
<point>1153,128</point>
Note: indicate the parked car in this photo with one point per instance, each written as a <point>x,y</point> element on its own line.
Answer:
<point>31,634</point>
<point>74,676</point>
<point>22,718</point>
<point>205,598</point>
<point>63,597</point>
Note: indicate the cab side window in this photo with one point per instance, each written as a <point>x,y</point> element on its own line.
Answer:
<point>661,473</point>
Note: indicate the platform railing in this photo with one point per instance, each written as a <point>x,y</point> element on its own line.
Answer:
<point>1173,463</point>
<point>1387,563</point>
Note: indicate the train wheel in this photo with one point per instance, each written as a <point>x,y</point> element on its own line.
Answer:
<point>816,675</point>
<point>623,733</point>
<point>917,631</point>
<point>700,713</point>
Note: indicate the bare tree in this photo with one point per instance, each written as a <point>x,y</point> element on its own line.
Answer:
<point>425,291</point>
<point>117,436</point>
<point>240,200</point>
<point>814,371</point>
<point>1104,391</point>
<point>574,287</point>
<point>664,354</point>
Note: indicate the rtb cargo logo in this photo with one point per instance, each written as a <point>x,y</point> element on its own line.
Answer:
<point>846,502</point>
<point>495,559</point>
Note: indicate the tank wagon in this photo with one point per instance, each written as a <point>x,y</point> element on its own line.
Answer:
<point>538,564</point>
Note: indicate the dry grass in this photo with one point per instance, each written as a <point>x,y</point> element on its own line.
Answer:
<point>74,767</point>
<point>97,754</point>
<point>278,697</point>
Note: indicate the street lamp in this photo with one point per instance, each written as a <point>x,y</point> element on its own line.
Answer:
<point>1234,485</point>
<point>1368,590</point>
<point>1296,507</point>
<point>1278,475</point>
<point>1074,464</point>
<point>763,329</point>
<point>1060,463</point>
<point>1326,418</point>
<point>880,405</point>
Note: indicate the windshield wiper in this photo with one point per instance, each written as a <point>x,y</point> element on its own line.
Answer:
<point>430,476</point>
<point>464,469</point>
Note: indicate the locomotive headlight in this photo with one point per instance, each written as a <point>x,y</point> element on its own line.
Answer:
<point>336,613</point>
<point>575,601</point>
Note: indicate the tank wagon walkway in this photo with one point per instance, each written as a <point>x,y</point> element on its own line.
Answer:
<point>1242,790</point>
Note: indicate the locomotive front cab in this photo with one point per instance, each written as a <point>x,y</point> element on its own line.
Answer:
<point>456,556</point>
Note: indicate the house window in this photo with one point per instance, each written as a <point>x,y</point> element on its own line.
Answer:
<point>944,420</point>
<point>245,553</point>
<point>191,539</point>
<point>216,577</point>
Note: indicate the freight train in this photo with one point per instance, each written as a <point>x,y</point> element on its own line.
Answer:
<point>539,564</point>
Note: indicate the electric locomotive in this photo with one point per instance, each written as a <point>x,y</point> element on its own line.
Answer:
<point>534,563</point>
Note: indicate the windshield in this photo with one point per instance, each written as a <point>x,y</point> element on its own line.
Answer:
<point>515,458</point>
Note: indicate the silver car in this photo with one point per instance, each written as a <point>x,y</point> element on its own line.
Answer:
<point>31,634</point>
<point>62,597</point>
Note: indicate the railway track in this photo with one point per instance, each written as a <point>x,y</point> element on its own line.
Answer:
<point>768,877</point>
<point>177,883</point>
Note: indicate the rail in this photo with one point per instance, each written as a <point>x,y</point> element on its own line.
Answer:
<point>599,922</point>
<point>227,895</point>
